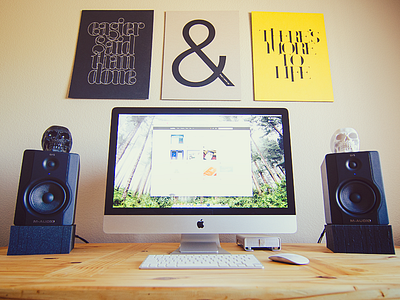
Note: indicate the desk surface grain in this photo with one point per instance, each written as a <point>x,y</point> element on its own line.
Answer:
<point>111,271</point>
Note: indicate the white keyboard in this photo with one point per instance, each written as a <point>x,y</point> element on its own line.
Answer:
<point>201,261</point>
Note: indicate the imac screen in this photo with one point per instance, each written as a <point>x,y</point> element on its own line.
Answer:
<point>199,161</point>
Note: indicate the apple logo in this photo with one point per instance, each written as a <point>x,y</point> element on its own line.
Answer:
<point>200,224</point>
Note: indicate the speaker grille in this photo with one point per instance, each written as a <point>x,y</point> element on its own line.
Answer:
<point>357,197</point>
<point>46,197</point>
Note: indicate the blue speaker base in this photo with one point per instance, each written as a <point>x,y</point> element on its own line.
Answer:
<point>368,239</point>
<point>29,240</point>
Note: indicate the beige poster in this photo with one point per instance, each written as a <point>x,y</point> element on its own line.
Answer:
<point>201,56</point>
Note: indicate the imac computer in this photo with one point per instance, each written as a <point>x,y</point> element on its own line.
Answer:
<point>199,172</point>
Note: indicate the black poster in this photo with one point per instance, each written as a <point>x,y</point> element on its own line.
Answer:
<point>113,55</point>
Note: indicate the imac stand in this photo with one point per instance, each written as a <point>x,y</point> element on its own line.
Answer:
<point>200,244</point>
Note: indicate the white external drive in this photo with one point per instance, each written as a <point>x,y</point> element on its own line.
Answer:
<point>251,242</point>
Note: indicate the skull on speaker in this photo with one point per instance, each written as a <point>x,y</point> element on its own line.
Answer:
<point>57,139</point>
<point>345,140</point>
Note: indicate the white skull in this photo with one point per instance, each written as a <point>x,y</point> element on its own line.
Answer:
<point>345,140</point>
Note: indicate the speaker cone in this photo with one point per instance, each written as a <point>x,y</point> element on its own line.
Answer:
<point>357,197</point>
<point>46,197</point>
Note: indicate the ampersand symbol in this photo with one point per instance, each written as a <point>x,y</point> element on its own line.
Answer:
<point>217,70</point>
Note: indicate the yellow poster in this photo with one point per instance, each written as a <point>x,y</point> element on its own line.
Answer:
<point>290,57</point>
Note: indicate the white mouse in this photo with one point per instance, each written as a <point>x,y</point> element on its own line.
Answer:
<point>290,258</point>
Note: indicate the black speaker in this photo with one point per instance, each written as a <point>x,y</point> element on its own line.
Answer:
<point>47,189</point>
<point>353,189</point>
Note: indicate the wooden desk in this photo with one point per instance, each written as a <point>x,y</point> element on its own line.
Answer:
<point>110,271</point>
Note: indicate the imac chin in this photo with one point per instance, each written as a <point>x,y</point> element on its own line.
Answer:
<point>199,172</point>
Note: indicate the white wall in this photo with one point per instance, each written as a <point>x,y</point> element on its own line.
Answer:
<point>38,40</point>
